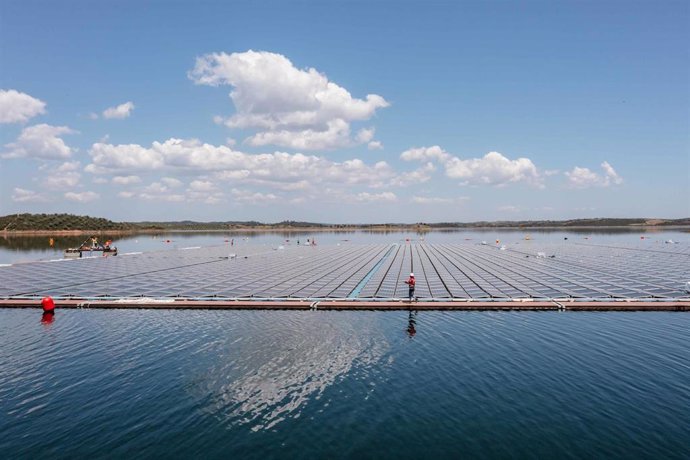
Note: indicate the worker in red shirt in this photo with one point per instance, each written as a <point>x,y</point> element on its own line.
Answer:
<point>410,283</point>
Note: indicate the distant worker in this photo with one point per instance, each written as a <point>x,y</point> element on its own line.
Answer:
<point>410,283</point>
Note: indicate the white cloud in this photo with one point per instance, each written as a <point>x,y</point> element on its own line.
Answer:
<point>204,191</point>
<point>61,181</point>
<point>375,145</point>
<point>171,182</point>
<point>290,107</point>
<point>365,135</point>
<point>439,200</point>
<point>82,197</point>
<point>201,186</point>
<point>156,188</point>
<point>16,107</point>
<point>336,134</point>
<point>157,196</point>
<point>126,180</point>
<point>509,208</point>
<point>585,178</point>
<point>276,169</point>
<point>161,190</point>
<point>366,197</point>
<point>415,177</point>
<point>126,194</point>
<point>123,157</point>
<point>21,195</point>
<point>120,111</point>
<point>492,169</point>
<point>250,197</point>
<point>426,154</point>
<point>40,141</point>
<point>99,180</point>
<point>610,174</point>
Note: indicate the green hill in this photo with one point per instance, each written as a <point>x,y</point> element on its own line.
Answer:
<point>48,222</point>
<point>16,222</point>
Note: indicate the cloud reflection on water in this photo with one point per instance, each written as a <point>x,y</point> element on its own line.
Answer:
<point>273,374</point>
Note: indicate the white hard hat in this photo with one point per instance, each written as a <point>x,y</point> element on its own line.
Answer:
<point>411,274</point>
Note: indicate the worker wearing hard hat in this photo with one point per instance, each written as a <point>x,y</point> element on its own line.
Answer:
<point>410,283</point>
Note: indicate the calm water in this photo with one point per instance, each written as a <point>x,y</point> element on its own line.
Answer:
<point>224,384</point>
<point>16,249</point>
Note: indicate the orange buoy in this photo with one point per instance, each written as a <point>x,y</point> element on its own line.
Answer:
<point>48,305</point>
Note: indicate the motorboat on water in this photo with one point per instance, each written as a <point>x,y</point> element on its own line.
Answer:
<point>84,251</point>
<point>91,247</point>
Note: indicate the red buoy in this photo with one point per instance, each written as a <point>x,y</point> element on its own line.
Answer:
<point>48,305</point>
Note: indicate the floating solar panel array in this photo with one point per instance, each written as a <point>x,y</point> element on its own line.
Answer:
<point>529,269</point>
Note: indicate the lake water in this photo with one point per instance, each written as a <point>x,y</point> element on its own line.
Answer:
<point>17,249</point>
<point>265,384</point>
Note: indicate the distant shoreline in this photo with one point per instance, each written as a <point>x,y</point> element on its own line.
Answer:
<point>412,229</point>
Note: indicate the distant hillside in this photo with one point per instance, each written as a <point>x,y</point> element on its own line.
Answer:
<point>19,222</point>
<point>598,222</point>
<point>55,222</point>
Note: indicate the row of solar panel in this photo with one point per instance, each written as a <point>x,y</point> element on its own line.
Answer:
<point>442,271</point>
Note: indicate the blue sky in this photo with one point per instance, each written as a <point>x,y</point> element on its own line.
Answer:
<point>345,111</point>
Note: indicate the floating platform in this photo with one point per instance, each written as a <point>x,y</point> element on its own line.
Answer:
<point>528,275</point>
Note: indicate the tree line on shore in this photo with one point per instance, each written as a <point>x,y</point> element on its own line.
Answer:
<point>62,222</point>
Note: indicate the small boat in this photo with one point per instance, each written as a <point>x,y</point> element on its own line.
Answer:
<point>90,251</point>
<point>91,246</point>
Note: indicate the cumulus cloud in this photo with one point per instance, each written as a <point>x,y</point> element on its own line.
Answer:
<point>65,176</point>
<point>165,189</point>
<point>126,180</point>
<point>434,153</point>
<point>418,176</point>
<point>491,169</point>
<point>375,145</point>
<point>366,197</point>
<point>251,197</point>
<point>171,182</point>
<point>82,197</point>
<point>586,178</point>
<point>289,107</point>
<point>119,111</point>
<point>21,195</point>
<point>438,200</point>
<point>279,169</point>
<point>202,186</point>
<point>158,196</point>
<point>40,141</point>
<point>204,191</point>
<point>16,107</point>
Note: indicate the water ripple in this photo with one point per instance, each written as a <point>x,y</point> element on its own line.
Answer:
<point>344,384</point>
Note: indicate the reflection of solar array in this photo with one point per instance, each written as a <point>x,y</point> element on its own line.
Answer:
<point>462,271</point>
